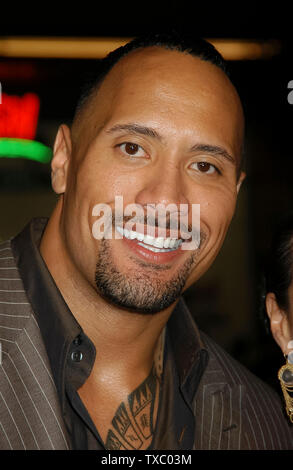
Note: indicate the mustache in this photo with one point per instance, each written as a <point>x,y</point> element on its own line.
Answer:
<point>169,222</point>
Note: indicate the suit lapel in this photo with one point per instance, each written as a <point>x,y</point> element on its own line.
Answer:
<point>217,405</point>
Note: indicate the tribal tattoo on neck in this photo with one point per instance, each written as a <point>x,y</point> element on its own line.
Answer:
<point>134,422</point>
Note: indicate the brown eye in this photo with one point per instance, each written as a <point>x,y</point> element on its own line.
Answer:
<point>204,167</point>
<point>131,149</point>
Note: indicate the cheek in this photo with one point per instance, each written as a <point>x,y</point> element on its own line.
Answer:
<point>216,211</point>
<point>102,181</point>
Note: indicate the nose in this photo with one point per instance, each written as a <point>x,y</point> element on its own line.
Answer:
<point>163,185</point>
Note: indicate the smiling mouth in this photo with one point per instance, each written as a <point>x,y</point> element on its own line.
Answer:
<point>154,244</point>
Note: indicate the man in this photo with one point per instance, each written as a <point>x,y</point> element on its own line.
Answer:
<point>98,349</point>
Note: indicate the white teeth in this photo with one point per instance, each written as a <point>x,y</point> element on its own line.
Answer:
<point>172,243</point>
<point>166,242</point>
<point>139,236</point>
<point>148,240</point>
<point>159,243</point>
<point>156,250</point>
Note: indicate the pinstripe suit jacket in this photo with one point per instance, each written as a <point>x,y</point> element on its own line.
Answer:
<point>232,408</point>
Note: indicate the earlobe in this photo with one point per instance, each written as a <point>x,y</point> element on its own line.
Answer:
<point>60,160</point>
<point>279,323</point>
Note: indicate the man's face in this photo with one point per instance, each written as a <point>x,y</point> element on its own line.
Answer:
<point>164,128</point>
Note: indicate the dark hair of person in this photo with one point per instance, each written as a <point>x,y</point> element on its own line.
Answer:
<point>278,273</point>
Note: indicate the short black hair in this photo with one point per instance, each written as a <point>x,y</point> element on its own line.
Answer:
<point>172,40</point>
<point>278,269</point>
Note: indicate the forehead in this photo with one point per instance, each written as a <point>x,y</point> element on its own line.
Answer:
<point>171,88</point>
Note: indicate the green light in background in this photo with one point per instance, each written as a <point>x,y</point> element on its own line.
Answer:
<point>22,148</point>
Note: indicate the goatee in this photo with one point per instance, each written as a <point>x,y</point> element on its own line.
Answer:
<point>141,290</point>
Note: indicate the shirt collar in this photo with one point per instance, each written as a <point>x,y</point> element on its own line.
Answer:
<point>190,354</point>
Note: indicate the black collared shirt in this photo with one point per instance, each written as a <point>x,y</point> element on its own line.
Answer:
<point>72,354</point>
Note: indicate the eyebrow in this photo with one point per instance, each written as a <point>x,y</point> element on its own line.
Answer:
<point>135,129</point>
<point>214,150</point>
<point>150,132</point>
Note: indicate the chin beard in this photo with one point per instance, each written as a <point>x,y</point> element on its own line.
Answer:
<point>139,291</point>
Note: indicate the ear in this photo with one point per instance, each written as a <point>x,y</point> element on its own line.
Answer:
<point>280,327</point>
<point>240,180</point>
<point>61,158</point>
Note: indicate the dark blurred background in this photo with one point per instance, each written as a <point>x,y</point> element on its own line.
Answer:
<point>225,302</point>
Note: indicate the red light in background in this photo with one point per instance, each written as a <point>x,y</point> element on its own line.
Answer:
<point>19,116</point>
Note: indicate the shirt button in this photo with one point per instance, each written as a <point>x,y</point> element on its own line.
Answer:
<point>77,341</point>
<point>76,356</point>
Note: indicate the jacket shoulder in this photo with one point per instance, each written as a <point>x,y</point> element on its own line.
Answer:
<point>29,407</point>
<point>234,372</point>
<point>241,411</point>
